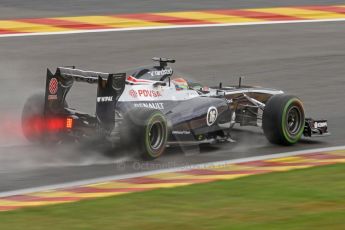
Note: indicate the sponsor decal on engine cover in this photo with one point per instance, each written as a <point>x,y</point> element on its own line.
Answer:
<point>160,72</point>
<point>105,99</point>
<point>53,89</point>
<point>145,93</point>
<point>153,105</point>
<point>212,115</point>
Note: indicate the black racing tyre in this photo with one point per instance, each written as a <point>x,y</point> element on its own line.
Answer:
<point>32,117</point>
<point>33,121</point>
<point>144,131</point>
<point>283,119</point>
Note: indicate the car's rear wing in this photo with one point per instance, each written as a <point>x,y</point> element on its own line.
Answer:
<point>110,88</point>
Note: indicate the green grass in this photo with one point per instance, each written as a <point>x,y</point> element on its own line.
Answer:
<point>302,199</point>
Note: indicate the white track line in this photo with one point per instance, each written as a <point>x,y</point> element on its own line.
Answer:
<point>177,169</point>
<point>169,27</point>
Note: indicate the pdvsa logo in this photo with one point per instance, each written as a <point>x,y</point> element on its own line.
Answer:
<point>133,93</point>
<point>144,93</point>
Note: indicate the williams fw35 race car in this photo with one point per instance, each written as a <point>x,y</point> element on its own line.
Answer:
<point>151,108</point>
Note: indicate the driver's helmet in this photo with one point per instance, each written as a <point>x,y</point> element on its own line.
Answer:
<point>180,83</point>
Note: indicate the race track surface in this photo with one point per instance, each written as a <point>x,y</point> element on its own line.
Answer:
<point>305,59</point>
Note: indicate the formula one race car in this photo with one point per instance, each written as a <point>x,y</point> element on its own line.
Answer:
<point>151,108</point>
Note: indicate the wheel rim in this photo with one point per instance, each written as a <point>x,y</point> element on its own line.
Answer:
<point>293,121</point>
<point>156,135</point>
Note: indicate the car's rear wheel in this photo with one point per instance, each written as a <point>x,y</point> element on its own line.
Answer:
<point>32,118</point>
<point>35,126</point>
<point>144,131</point>
<point>283,119</point>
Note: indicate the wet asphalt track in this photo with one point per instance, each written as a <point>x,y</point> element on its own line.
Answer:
<point>304,59</point>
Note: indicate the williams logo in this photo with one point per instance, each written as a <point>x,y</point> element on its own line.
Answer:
<point>212,115</point>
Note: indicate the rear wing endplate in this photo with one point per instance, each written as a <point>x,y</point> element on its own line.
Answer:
<point>109,90</point>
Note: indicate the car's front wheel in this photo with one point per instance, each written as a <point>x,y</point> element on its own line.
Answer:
<point>283,119</point>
